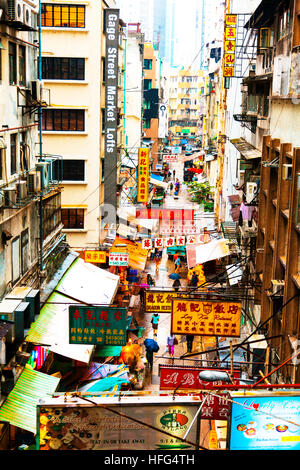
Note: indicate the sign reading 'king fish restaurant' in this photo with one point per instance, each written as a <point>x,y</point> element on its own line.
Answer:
<point>111,105</point>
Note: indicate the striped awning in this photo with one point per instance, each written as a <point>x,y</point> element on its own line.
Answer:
<point>19,409</point>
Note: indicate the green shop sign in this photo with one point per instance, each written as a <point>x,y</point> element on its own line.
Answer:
<point>101,325</point>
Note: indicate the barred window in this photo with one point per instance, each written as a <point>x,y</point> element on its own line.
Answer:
<point>63,16</point>
<point>72,218</point>
<point>63,120</point>
<point>69,170</point>
<point>63,68</point>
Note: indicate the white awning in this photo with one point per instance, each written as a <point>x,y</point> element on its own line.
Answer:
<point>161,184</point>
<point>199,254</point>
<point>82,283</point>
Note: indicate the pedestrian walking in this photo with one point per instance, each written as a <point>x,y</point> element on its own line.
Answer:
<point>177,264</point>
<point>149,357</point>
<point>150,280</point>
<point>154,321</point>
<point>194,280</point>
<point>189,342</point>
<point>157,261</point>
<point>171,343</point>
<point>171,187</point>
<point>176,285</point>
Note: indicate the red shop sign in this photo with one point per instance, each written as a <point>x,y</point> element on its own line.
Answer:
<point>186,378</point>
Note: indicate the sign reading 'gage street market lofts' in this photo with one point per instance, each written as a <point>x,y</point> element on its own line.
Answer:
<point>207,318</point>
<point>97,325</point>
<point>111,105</point>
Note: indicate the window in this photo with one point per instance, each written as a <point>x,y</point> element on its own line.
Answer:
<point>147,84</point>
<point>24,251</point>
<point>72,218</point>
<point>23,152</point>
<point>1,164</point>
<point>22,65</point>
<point>12,60</point>
<point>15,252</point>
<point>51,214</point>
<point>63,16</point>
<point>148,64</point>
<point>63,68</point>
<point>69,170</point>
<point>13,154</point>
<point>63,120</point>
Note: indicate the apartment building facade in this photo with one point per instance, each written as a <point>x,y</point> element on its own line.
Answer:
<point>74,125</point>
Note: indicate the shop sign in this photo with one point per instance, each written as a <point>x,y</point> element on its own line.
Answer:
<point>229,45</point>
<point>143,175</point>
<point>188,227</point>
<point>147,244</point>
<point>97,325</point>
<point>159,301</point>
<point>165,214</point>
<point>111,104</point>
<point>187,378</point>
<point>118,259</point>
<point>158,242</point>
<point>170,158</point>
<point>93,256</point>
<point>207,318</point>
<point>180,241</point>
<point>265,422</point>
<point>90,427</point>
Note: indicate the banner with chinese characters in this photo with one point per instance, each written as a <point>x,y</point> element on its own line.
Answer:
<point>170,158</point>
<point>186,227</point>
<point>165,214</point>
<point>160,301</point>
<point>93,256</point>
<point>207,318</point>
<point>143,175</point>
<point>118,259</point>
<point>229,45</point>
<point>97,325</point>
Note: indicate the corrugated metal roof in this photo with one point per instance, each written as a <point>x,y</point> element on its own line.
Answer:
<point>19,409</point>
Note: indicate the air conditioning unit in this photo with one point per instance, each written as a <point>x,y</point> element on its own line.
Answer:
<point>251,189</point>
<point>33,182</point>
<point>43,168</point>
<point>287,171</point>
<point>16,10</point>
<point>21,188</point>
<point>277,287</point>
<point>10,196</point>
<point>35,90</point>
<point>27,14</point>
<point>9,311</point>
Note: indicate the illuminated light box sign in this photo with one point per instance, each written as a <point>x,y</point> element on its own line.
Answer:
<point>97,325</point>
<point>207,318</point>
<point>229,45</point>
<point>265,422</point>
<point>187,378</point>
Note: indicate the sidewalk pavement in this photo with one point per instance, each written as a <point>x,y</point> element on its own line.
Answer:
<point>161,277</point>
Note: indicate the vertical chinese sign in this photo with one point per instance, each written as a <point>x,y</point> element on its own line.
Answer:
<point>111,106</point>
<point>207,318</point>
<point>229,45</point>
<point>97,325</point>
<point>143,176</point>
